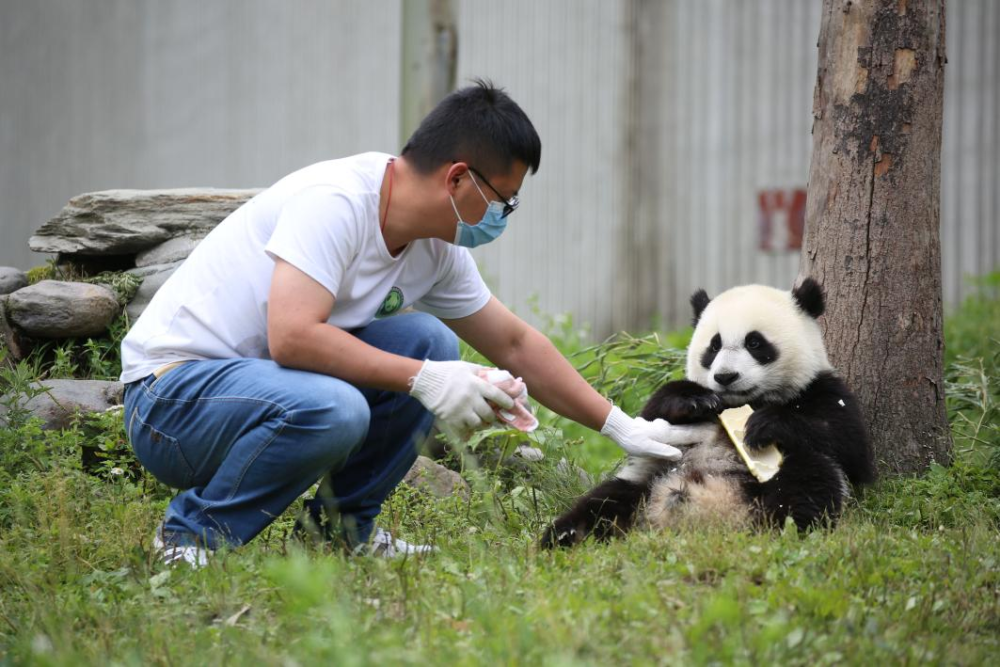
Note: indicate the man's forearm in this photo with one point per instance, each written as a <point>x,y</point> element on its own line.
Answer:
<point>553,381</point>
<point>322,348</point>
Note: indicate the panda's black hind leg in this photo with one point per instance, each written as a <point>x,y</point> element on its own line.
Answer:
<point>607,511</point>
<point>683,402</point>
<point>809,488</point>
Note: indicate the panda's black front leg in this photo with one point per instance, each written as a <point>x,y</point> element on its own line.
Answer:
<point>607,511</point>
<point>776,425</point>
<point>683,402</point>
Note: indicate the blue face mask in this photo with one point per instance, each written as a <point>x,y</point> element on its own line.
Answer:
<point>490,227</point>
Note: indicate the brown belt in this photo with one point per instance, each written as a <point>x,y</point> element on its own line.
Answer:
<point>166,368</point>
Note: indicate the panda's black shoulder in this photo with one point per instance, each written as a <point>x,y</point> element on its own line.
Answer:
<point>826,392</point>
<point>827,400</point>
<point>827,383</point>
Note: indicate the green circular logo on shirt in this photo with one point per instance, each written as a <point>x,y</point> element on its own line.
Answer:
<point>393,302</point>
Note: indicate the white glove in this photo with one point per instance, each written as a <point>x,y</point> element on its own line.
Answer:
<point>639,437</point>
<point>456,395</point>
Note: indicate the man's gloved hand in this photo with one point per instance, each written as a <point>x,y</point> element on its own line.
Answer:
<point>656,438</point>
<point>455,394</point>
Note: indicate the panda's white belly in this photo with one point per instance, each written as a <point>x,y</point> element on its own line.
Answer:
<point>706,485</point>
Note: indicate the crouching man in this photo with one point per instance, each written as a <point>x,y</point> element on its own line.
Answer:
<point>274,356</point>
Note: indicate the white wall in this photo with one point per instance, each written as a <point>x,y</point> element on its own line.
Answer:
<point>970,159</point>
<point>739,109</point>
<point>99,94</point>
<point>654,148</point>
<point>563,61</point>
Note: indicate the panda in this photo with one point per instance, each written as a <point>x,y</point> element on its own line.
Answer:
<point>753,345</point>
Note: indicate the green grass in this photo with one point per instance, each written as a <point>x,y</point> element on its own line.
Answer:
<point>911,575</point>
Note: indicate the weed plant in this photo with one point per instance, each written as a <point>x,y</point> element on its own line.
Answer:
<point>911,575</point>
<point>89,358</point>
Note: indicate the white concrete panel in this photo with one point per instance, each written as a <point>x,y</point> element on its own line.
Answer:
<point>102,94</point>
<point>564,63</point>
<point>742,75</point>
<point>970,162</point>
<point>97,94</point>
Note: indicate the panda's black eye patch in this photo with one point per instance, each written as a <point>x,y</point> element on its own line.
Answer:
<point>711,351</point>
<point>760,348</point>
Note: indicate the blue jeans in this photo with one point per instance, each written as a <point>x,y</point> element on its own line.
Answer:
<point>245,437</point>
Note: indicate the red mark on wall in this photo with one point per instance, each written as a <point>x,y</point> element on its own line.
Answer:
<point>781,218</point>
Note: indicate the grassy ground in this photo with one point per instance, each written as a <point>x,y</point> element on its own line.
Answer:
<point>912,575</point>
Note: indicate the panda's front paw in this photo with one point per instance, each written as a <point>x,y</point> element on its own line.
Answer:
<point>765,427</point>
<point>683,402</point>
<point>697,408</point>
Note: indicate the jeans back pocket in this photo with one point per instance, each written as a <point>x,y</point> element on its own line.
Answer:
<point>159,453</point>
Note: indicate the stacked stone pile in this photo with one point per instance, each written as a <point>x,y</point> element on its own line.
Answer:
<point>147,233</point>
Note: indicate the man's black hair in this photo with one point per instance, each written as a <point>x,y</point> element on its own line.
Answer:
<point>479,125</point>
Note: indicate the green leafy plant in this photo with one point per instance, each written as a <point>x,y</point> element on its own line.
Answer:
<point>123,284</point>
<point>629,369</point>
<point>83,358</point>
<point>22,440</point>
<point>973,398</point>
<point>63,365</point>
<point>53,270</point>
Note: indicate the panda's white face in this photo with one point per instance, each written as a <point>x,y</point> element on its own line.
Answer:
<point>755,344</point>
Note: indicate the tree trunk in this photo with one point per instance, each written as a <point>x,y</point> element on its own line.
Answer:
<point>873,214</point>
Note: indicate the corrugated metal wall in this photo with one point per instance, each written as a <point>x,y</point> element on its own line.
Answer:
<point>99,94</point>
<point>970,159</point>
<point>726,94</point>
<point>660,120</point>
<point>563,61</point>
<point>740,108</point>
<point>742,90</point>
<point>732,88</point>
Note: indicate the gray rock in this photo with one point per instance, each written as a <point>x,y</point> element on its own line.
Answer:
<point>565,468</point>
<point>123,222</point>
<point>436,479</point>
<point>153,278</point>
<point>11,279</point>
<point>147,271</point>
<point>529,453</point>
<point>64,398</point>
<point>168,252</point>
<point>57,309</point>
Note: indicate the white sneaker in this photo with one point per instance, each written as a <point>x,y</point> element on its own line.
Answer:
<point>384,545</point>
<point>172,554</point>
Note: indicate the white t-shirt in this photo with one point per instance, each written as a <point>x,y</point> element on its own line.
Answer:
<point>323,220</point>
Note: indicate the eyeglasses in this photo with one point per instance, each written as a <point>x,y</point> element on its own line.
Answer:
<point>509,205</point>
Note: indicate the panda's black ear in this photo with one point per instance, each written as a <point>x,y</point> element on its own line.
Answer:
<point>698,302</point>
<point>809,297</point>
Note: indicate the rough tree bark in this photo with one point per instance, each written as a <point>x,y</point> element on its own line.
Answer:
<point>872,220</point>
